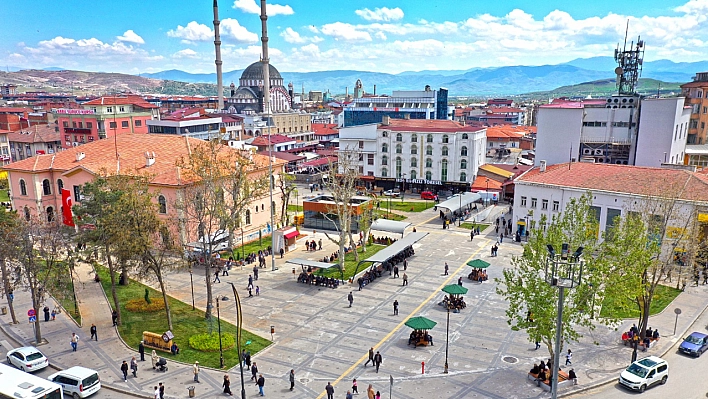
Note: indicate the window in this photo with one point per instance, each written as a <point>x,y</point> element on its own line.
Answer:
<point>384,147</point>
<point>463,151</point>
<point>27,214</point>
<point>384,160</point>
<point>77,193</point>
<point>399,137</point>
<point>162,202</point>
<point>112,125</point>
<point>544,205</point>
<point>534,201</point>
<point>109,109</point>
<point>50,214</point>
<point>65,124</point>
<point>429,138</point>
<point>361,170</point>
<point>464,136</point>
<point>705,110</point>
<point>556,206</point>
<point>463,176</point>
<point>414,149</point>
<point>445,151</point>
<point>445,139</point>
<point>414,137</point>
<point>124,124</point>
<point>256,208</point>
<point>370,159</point>
<point>73,124</point>
<point>361,145</point>
<point>138,123</point>
<point>399,163</point>
<point>414,163</point>
<point>443,170</point>
<point>428,175</point>
<point>523,202</point>
<point>428,163</point>
<point>384,134</point>
<point>23,187</point>
<point>399,149</point>
<point>384,172</point>
<point>60,185</point>
<point>248,216</point>
<point>413,174</point>
<point>89,125</point>
<point>463,164</point>
<point>429,150</point>
<point>121,109</point>
<point>263,206</point>
<point>46,187</point>
<point>361,157</point>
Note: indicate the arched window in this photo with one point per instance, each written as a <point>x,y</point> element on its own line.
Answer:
<point>414,138</point>
<point>414,162</point>
<point>443,170</point>
<point>262,207</point>
<point>399,137</point>
<point>256,208</point>
<point>464,136</point>
<point>428,163</point>
<point>463,164</point>
<point>162,202</point>
<point>463,176</point>
<point>414,149</point>
<point>399,149</point>
<point>463,151</point>
<point>445,151</point>
<point>248,216</point>
<point>446,139</point>
<point>399,163</point>
<point>413,174</point>
<point>23,188</point>
<point>60,185</point>
<point>429,150</point>
<point>429,138</point>
<point>428,175</point>
<point>27,214</point>
<point>50,214</point>
<point>384,134</point>
<point>46,187</point>
<point>384,147</point>
<point>384,172</point>
<point>384,160</point>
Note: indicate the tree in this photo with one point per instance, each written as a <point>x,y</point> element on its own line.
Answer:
<point>9,224</point>
<point>525,288</point>
<point>284,184</point>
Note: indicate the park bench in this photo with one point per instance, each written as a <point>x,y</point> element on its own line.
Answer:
<point>157,341</point>
<point>563,379</point>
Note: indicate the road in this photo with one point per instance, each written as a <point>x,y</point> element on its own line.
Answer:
<point>685,373</point>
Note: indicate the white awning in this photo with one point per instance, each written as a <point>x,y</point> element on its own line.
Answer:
<point>391,226</point>
<point>460,201</point>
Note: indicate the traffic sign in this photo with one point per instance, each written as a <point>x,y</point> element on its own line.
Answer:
<point>31,313</point>
<point>32,319</point>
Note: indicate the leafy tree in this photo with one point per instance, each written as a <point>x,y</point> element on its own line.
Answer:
<point>9,224</point>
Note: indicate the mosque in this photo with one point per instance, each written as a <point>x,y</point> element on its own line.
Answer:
<point>248,97</point>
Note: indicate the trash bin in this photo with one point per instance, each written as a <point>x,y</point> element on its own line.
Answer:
<point>3,310</point>
<point>191,391</point>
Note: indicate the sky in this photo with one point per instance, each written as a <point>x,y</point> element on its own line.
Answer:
<point>138,36</point>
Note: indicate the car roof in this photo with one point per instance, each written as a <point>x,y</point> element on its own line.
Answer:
<point>26,350</point>
<point>698,334</point>
<point>76,371</point>
<point>650,361</point>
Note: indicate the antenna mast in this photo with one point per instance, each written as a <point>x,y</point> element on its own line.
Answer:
<point>630,63</point>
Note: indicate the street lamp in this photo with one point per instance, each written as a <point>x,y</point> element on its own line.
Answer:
<point>239,322</point>
<point>191,282</point>
<point>563,270</point>
<point>460,210</point>
<point>486,200</point>
<point>403,190</point>
<point>447,337</point>
<point>221,348</point>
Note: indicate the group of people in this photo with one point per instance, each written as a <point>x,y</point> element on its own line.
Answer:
<point>478,275</point>
<point>454,302</point>
<point>313,245</point>
<point>391,265</point>
<point>333,256</point>
<point>320,281</point>
<point>633,337</point>
<point>381,240</point>
<point>419,335</point>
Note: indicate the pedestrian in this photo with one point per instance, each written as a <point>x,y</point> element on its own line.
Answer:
<point>250,292</point>
<point>46,313</point>
<point>282,252</point>
<point>501,238</point>
<point>54,313</point>
<point>405,265</point>
<point>261,384</point>
<point>349,395</point>
<point>472,235</point>
<point>124,369</point>
<point>378,360</point>
<point>255,271</point>
<point>378,395</point>
<point>395,272</point>
<point>572,376</point>
<point>446,268</point>
<point>141,350</point>
<point>568,357</point>
<point>459,281</point>
<point>330,390</point>
<point>195,370</point>
<point>134,366</point>
<point>248,360</point>
<point>254,372</point>
<point>370,392</point>
<point>371,357</point>
<point>227,385</point>
<point>154,359</point>
<point>216,276</point>
<point>395,307</point>
<point>405,279</point>
<point>74,341</point>
<point>156,393</point>
<point>162,391</point>
<point>114,317</point>
<point>319,243</point>
<point>350,297</point>
<point>355,388</point>
<point>258,290</point>
<point>94,334</point>
<point>538,345</point>
<point>292,379</point>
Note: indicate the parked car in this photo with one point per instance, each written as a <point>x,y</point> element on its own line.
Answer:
<point>695,344</point>
<point>27,358</point>
<point>644,373</point>
<point>427,195</point>
<point>77,381</point>
<point>391,193</point>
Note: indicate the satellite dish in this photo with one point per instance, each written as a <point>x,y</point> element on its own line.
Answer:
<point>619,71</point>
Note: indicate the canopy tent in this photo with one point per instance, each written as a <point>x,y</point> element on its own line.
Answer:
<point>460,201</point>
<point>312,263</point>
<point>478,264</point>
<point>455,289</point>
<point>390,226</point>
<point>420,323</point>
<point>395,248</point>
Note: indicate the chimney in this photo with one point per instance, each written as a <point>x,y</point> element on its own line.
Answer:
<point>80,156</point>
<point>149,159</point>
<point>542,166</point>
<point>386,120</point>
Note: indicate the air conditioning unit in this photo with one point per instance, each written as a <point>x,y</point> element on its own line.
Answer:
<point>587,151</point>
<point>599,152</point>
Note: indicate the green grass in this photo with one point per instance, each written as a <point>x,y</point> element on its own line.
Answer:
<point>663,296</point>
<point>294,208</point>
<point>4,196</point>
<point>406,206</point>
<point>61,286</point>
<point>382,214</point>
<point>469,226</point>
<point>350,262</point>
<point>185,321</point>
<point>253,246</point>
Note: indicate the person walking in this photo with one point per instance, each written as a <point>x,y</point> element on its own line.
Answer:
<point>378,360</point>
<point>446,269</point>
<point>94,334</point>
<point>227,385</point>
<point>195,370</point>
<point>501,238</point>
<point>472,235</point>
<point>370,392</point>
<point>378,395</point>
<point>459,281</point>
<point>141,350</point>
<point>292,379</point>
<point>248,360</point>
<point>134,366</point>
<point>330,390</point>
<point>46,313</point>
<point>124,370</point>
<point>74,342</point>
<point>216,276</point>
<point>395,271</point>
<point>350,297</point>
<point>371,357</point>
<point>114,317</point>
<point>395,307</point>
<point>156,394</point>
<point>282,252</point>
<point>250,281</point>
<point>319,243</point>
<point>349,395</point>
<point>154,359</point>
<point>254,372</point>
<point>261,384</point>
<point>355,387</point>
<point>162,391</point>
<point>405,279</point>
<point>405,264</point>
<point>568,357</point>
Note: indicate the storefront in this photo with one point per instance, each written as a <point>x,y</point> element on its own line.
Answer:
<point>415,186</point>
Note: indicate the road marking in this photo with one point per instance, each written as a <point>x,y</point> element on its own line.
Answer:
<point>6,345</point>
<point>402,323</point>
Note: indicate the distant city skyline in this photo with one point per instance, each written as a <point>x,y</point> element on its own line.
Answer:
<point>380,36</point>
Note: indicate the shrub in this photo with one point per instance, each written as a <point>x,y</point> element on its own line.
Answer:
<point>210,342</point>
<point>147,296</point>
<point>140,306</point>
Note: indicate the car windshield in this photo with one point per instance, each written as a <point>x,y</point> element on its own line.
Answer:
<point>89,381</point>
<point>34,356</point>
<point>694,340</point>
<point>638,370</point>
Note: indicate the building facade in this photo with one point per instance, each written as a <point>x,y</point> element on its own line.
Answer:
<point>248,98</point>
<point>421,104</point>
<point>696,97</point>
<point>34,140</point>
<point>197,123</point>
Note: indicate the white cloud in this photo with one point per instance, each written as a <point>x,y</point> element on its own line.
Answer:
<point>131,37</point>
<point>186,53</point>
<point>380,35</point>
<point>291,36</point>
<point>381,14</point>
<point>313,29</point>
<point>343,31</point>
<point>694,7</point>
<point>194,31</point>
<point>251,7</point>
<point>230,28</point>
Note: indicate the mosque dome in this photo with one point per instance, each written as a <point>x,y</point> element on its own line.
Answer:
<point>255,72</point>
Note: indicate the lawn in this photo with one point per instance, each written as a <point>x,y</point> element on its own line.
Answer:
<point>67,299</point>
<point>406,206</point>
<point>663,296</point>
<point>469,226</point>
<point>294,208</point>
<point>253,246</point>
<point>185,322</point>
<point>350,262</point>
<point>4,196</point>
<point>382,214</point>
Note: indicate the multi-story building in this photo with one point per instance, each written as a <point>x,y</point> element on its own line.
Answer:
<point>696,94</point>
<point>104,117</point>
<point>34,140</point>
<point>497,116</point>
<point>8,90</point>
<point>417,154</point>
<point>421,104</point>
<point>613,131</point>
<point>5,157</point>
<point>197,123</point>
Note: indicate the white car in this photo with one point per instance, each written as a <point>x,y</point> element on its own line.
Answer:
<point>77,381</point>
<point>644,373</point>
<point>27,358</point>
<point>391,193</point>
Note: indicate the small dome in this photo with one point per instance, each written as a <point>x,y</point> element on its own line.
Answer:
<point>232,85</point>
<point>255,72</point>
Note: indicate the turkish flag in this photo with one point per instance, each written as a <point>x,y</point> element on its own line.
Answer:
<point>67,202</point>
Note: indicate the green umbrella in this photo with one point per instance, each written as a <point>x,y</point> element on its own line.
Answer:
<point>455,289</point>
<point>420,323</point>
<point>478,264</point>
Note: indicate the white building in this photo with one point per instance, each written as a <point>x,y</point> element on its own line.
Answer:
<point>195,122</point>
<point>423,154</point>
<point>621,130</point>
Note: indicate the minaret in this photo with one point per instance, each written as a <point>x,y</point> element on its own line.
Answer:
<point>217,46</point>
<point>265,60</point>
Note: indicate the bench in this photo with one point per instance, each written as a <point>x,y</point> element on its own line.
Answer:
<point>156,341</point>
<point>563,379</point>
<point>652,342</point>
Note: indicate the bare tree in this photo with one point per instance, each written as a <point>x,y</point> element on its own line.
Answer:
<point>284,184</point>
<point>8,249</point>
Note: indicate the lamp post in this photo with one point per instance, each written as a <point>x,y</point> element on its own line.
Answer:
<point>486,200</point>
<point>403,189</point>
<point>563,271</point>
<point>239,321</point>
<point>218,322</point>
<point>447,337</point>
<point>460,210</point>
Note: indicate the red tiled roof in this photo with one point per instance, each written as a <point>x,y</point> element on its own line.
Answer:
<point>500,110</point>
<point>509,131</point>
<point>320,161</point>
<point>325,129</point>
<point>274,139</point>
<point>480,184</point>
<point>622,179</point>
<point>14,110</point>
<point>427,125</point>
<point>121,100</point>
<point>35,134</point>
<point>285,156</point>
<point>694,84</point>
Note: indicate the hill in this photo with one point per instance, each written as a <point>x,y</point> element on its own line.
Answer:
<point>603,88</point>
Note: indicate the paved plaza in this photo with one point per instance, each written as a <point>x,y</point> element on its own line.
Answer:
<point>324,340</point>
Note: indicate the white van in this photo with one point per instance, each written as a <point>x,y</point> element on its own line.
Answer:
<point>644,373</point>
<point>77,381</point>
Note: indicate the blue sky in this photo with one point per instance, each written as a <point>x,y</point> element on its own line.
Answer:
<point>133,36</point>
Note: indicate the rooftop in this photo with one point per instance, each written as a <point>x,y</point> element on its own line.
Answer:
<point>35,134</point>
<point>121,100</point>
<point>274,139</point>
<point>509,131</point>
<point>325,129</point>
<point>427,125</point>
